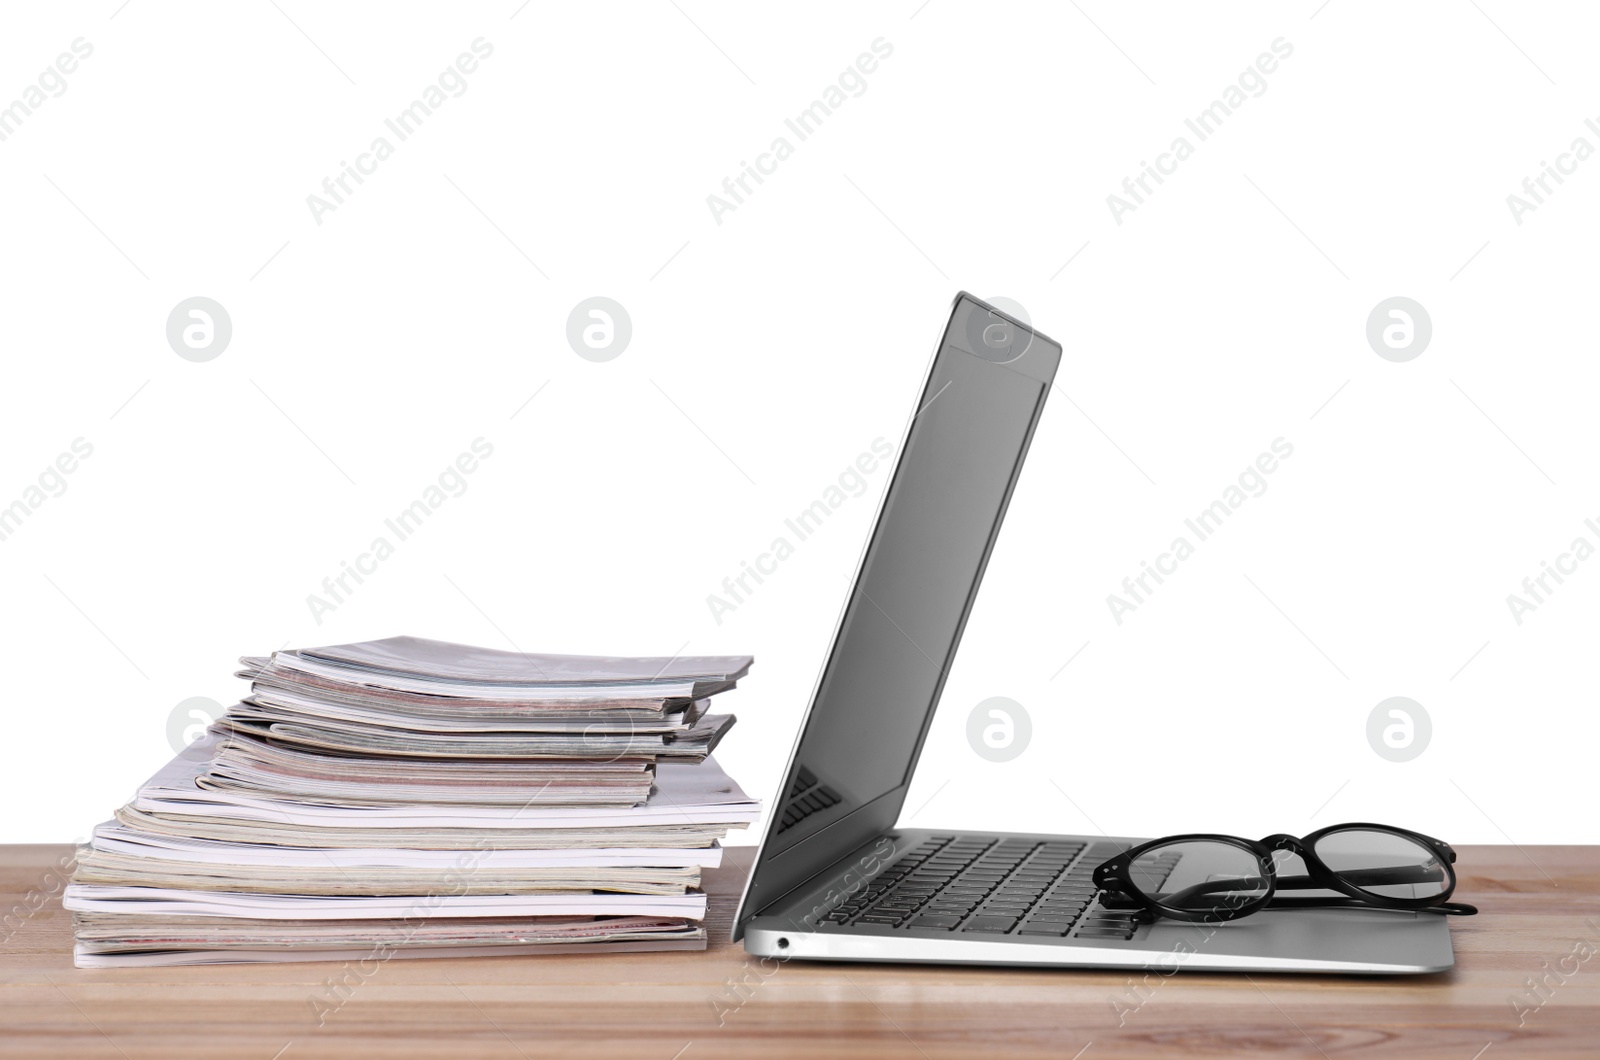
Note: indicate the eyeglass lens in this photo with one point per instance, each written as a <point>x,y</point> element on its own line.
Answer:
<point>1384,863</point>
<point>1199,876</point>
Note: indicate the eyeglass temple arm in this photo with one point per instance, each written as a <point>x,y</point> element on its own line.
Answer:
<point>1359,877</point>
<point>1284,902</point>
<point>1373,877</point>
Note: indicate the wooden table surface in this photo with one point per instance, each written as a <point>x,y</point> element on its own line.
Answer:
<point>1540,920</point>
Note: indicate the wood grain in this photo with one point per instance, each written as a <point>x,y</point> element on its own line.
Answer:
<point>1536,901</point>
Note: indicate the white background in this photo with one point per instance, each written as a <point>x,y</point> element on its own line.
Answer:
<point>770,349</point>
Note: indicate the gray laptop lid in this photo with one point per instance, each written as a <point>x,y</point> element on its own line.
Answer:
<point>902,621</point>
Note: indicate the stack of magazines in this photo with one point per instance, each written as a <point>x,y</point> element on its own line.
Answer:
<point>412,798</point>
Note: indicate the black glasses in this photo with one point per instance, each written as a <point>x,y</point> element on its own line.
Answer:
<point>1221,877</point>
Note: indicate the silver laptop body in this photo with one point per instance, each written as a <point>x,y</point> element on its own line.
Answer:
<point>832,839</point>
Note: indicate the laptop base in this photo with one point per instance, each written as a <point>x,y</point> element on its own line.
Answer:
<point>833,916</point>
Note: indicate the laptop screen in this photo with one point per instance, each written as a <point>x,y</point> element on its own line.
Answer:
<point>910,600</point>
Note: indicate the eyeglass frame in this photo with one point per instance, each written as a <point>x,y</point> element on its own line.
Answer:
<point>1111,874</point>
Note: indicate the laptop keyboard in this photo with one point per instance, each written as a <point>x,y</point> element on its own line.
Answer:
<point>981,885</point>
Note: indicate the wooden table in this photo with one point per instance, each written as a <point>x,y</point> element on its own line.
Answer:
<point>1537,903</point>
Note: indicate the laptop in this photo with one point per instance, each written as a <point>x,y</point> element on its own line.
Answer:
<point>836,879</point>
